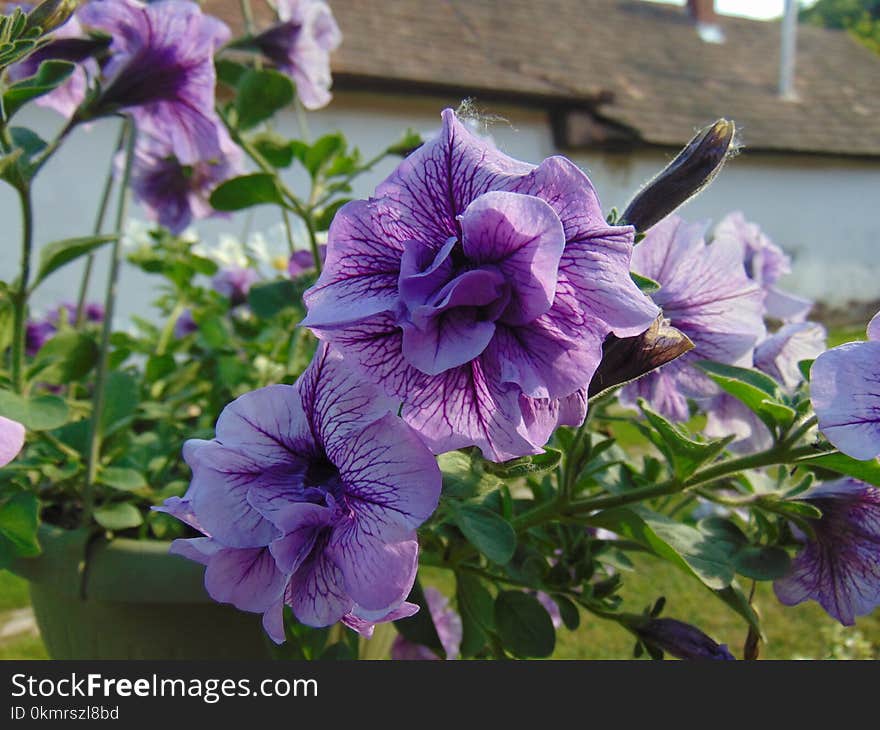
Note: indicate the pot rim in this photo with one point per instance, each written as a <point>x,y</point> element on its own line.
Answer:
<point>87,565</point>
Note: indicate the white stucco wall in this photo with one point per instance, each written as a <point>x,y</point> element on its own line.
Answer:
<point>822,210</point>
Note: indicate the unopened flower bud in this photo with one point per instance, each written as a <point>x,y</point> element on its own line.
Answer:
<point>691,171</point>
<point>628,358</point>
<point>51,14</point>
<point>679,639</point>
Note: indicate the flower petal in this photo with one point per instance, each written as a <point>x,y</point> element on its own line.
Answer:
<point>316,592</point>
<point>11,439</point>
<point>248,579</point>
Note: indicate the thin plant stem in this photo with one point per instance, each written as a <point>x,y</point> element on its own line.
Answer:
<point>94,443</point>
<point>168,328</point>
<point>20,298</point>
<point>99,225</point>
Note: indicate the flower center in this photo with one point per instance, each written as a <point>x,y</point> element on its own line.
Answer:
<point>501,270</point>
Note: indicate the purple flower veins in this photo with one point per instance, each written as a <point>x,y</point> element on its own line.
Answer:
<point>310,496</point>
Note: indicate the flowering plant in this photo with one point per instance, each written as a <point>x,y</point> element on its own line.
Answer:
<point>477,369</point>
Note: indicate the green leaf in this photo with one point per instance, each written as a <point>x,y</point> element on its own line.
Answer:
<point>736,599</point>
<point>645,284</point>
<point>487,531</point>
<point>682,545</point>
<point>463,476</point>
<point>121,402</point>
<point>477,611</point>
<point>525,465</point>
<point>761,562</point>
<point>410,141</point>
<point>68,356</point>
<point>50,75</point>
<point>684,455</point>
<point>571,617</point>
<point>229,72</point>
<point>246,191</point>
<point>419,628</point>
<point>28,140</point>
<point>19,518</point>
<point>36,413</point>
<point>322,151</point>
<point>57,254</point>
<point>121,478</point>
<point>757,391</point>
<point>267,299</point>
<point>523,624</point>
<point>118,516</point>
<point>326,216</point>
<point>804,366</point>
<point>274,148</point>
<point>261,93</point>
<point>866,471</point>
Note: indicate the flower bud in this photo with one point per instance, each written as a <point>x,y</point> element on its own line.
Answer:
<point>679,639</point>
<point>51,14</point>
<point>628,358</point>
<point>691,171</point>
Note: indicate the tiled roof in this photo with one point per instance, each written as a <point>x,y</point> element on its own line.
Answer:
<point>640,66</point>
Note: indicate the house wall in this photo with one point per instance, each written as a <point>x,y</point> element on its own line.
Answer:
<point>822,210</point>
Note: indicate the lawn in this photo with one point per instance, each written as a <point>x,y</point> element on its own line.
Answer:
<point>800,632</point>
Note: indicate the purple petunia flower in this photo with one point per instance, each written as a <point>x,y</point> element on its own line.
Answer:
<point>845,391</point>
<point>67,44</point>
<point>175,194</point>
<point>681,640</point>
<point>479,289</point>
<point>705,293</point>
<point>765,264</point>
<point>300,45</point>
<point>777,356</point>
<point>11,439</point>
<point>302,261</point>
<point>161,71</point>
<point>309,496</point>
<point>840,568</point>
<point>449,630</point>
<point>234,284</point>
<point>185,324</point>
<point>39,331</point>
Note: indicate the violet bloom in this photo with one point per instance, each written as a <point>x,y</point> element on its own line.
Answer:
<point>68,44</point>
<point>309,496</point>
<point>161,71</point>
<point>234,284</point>
<point>479,289</point>
<point>300,45</point>
<point>175,194</point>
<point>840,568</point>
<point>449,630</point>
<point>765,264</point>
<point>11,439</point>
<point>704,293</point>
<point>39,331</point>
<point>185,324</point>
<point>302,261</point>
<point>777,356</point>
<point>845,391</point>
<point>681,640</point>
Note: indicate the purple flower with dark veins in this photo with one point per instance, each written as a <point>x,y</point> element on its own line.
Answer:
<point>161,71</point>
<point>11,439</point>
<point>845,391</point>
<point>310,496</point>
<point>175,194</point>
<point>479,289</point>
<point>705,293</point>
<point>840,567</point>
<point>300,45</point>
<point>765,264</point>
<point>234,283</point>
<point>449,630</point>
<point>777,356</point>
<point>39,331</point>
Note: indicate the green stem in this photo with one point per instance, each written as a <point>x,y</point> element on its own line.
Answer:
<point>288,231</point>
<point>800,431</point>
<point>20,298</point>
<point>94,444</point>
<point>96,230</point>
<point>53,146</point>
<point>168,329</point>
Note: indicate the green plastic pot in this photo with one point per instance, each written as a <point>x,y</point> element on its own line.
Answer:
<point>130,599</point>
